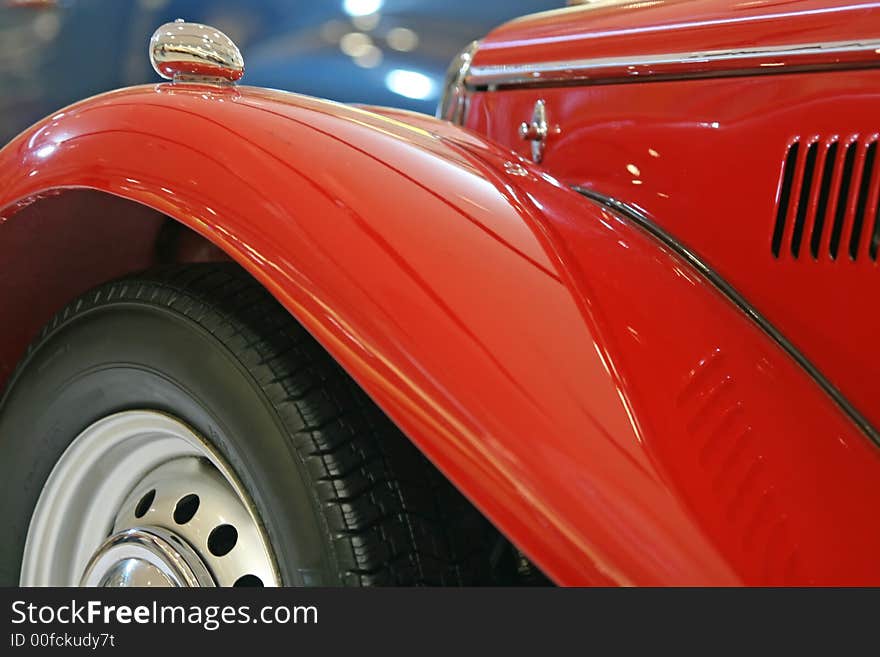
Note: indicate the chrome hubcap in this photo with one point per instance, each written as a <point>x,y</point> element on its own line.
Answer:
<point>148,556</point>
<point>138,499</point>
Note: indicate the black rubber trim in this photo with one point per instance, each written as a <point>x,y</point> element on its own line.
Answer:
<point>638,217</point>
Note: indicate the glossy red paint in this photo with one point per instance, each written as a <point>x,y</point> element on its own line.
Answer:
<point>626,29</point>
<point>519,334</point>
<point>703,159</point>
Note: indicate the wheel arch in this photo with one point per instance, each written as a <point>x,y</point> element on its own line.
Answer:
<point>467,292</point>
<point>373,233</point>
<point>369,231</point>
<point>64,242</point>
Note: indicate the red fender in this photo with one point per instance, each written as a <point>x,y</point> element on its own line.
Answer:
<point>615,415</point>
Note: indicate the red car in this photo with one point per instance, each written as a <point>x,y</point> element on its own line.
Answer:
<point>608,320</point>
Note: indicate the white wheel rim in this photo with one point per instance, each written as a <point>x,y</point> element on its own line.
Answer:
<point>92,524</point>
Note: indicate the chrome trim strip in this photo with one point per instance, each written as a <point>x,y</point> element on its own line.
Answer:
<point>744,61</point>
<point>454,99</point>
<point>646,224</point>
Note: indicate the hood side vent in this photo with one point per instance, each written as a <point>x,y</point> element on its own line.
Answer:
<point>827,200</point>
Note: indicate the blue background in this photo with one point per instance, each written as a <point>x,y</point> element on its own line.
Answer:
<point>54,53</point>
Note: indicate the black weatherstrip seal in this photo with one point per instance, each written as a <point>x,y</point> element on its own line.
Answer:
<point>636,216</point>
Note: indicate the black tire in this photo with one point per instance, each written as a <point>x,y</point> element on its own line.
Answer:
<point>344,498</point>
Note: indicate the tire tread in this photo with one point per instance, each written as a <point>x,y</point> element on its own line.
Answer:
<point>391,517</point>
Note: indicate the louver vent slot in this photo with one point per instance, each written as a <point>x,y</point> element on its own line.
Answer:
<point>784,196</point>
<point>864,189</point>
<point>842,198</point>
<point>824,195</point>
<point>828,200</point>
<point>801,215</point>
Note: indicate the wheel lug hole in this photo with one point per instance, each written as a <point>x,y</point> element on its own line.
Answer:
<point>145,503</point>
<point>186,508</point>
<point>248,580</point>
<point>222,539</point>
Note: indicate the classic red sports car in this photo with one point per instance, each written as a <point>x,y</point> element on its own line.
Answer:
<point>620,294</point>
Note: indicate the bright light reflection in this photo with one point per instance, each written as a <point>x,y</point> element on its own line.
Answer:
<point>371,57</point>
<point>366,23</point>
<point>355,44</point>
<point>410,84</point>
<point>402,39</point>
<point>361,7</point>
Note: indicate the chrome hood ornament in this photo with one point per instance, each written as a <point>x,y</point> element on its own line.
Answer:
<point>192,52</point>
